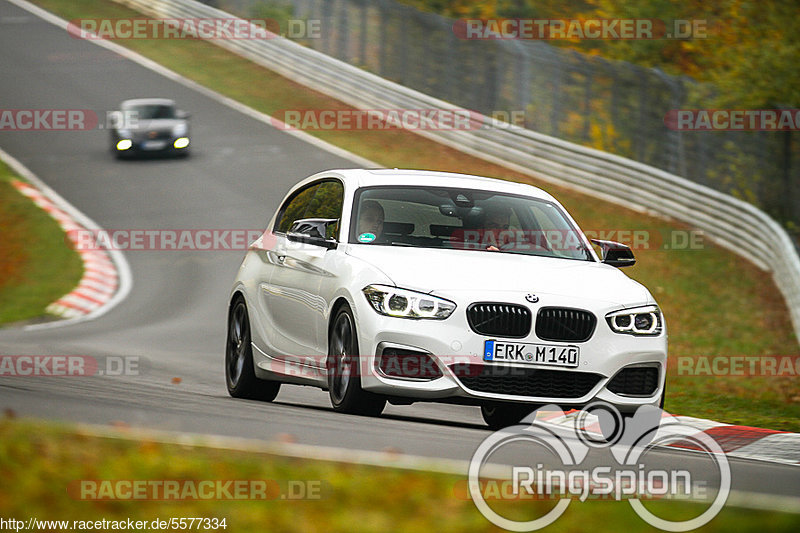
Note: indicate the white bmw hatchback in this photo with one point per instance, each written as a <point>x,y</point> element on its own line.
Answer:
<point>405,286</point>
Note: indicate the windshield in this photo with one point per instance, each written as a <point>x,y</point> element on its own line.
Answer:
<point>152,111</point>
<point>464,219</point>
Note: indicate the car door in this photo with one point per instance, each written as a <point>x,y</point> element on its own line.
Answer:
<point>292,295</point>
<point>272,256</point>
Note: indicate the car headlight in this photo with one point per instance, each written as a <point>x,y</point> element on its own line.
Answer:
<point>180,129</point>
<point>124,144</point>
<point>181,142</point>
<point>402,303</point>
<point>637,321</point>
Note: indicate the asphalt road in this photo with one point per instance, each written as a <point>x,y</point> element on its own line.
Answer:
<point>174,318</point>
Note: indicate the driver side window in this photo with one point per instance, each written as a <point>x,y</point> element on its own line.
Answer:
<point>318,200</point>
<point>295,208</point>
<point>327,203</point>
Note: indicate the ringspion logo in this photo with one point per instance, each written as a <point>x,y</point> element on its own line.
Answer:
<point>575,476</point>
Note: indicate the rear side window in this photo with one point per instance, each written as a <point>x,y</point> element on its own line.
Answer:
<point>319,200</point>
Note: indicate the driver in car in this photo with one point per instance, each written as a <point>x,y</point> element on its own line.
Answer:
<point>370,222</point>
<point>496,223</point>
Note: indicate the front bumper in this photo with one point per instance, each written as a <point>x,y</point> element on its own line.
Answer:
<point>457,352</point>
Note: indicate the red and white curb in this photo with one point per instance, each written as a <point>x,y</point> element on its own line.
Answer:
<point>99,281</point>
<point>106,279</point>
<point>735,441</point>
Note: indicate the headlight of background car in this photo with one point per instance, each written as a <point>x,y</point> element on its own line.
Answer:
<point>180,129</point>
<point>402,303</point>
<point>637,321</point>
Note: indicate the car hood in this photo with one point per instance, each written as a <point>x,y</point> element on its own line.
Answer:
<point>445,272</point>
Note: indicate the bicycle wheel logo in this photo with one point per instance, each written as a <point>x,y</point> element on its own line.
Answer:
<point>627,439</point>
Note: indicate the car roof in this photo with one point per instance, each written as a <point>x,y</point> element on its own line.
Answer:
<point>357,178</point>
<point>147,101</point>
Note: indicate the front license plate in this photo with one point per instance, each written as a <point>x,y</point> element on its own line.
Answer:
<point>153,145</point>
<point>532,354</point>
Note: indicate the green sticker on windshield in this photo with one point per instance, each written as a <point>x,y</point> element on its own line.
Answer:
<point>366,237</point>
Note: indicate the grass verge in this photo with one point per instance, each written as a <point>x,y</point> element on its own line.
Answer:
<point>37,266</point>
<point>42,465</point>
<point>716,304</point>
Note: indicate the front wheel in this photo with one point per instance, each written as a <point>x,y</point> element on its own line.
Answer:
<point>240,376</point>
<point>344,370</point>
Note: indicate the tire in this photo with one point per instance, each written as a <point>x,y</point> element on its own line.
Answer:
<point>499,416</point>
<point>240,375</point>
<point>344,379</point>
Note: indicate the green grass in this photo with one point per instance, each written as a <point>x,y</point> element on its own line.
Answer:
<point>715,302</point>
<point>42,463</point>
<point>36,265</point>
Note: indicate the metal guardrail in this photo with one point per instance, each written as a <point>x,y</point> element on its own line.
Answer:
<point>614,106</point>
<point>732,223</point>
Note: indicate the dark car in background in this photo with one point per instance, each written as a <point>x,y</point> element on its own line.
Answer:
<point>149,126</point>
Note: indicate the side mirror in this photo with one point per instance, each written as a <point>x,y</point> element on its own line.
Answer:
<point>313,231</point>
<point>181,114</point>
<point>615,254</point>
